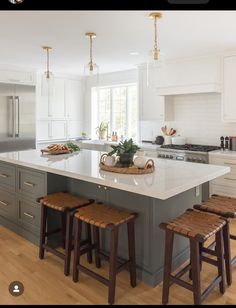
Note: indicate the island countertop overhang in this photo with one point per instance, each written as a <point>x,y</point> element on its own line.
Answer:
<point>169,178</point>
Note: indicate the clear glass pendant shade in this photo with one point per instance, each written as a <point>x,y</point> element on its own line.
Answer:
<point>92,71</point>
<point>47,82</point>
<point>153,68</point>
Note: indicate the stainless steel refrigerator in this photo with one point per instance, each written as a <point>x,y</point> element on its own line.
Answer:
<point>17,117</point>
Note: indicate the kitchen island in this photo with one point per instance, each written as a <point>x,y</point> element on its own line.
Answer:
<point>157,197</point>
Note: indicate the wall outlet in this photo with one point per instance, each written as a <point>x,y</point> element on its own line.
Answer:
<point>197,191</point>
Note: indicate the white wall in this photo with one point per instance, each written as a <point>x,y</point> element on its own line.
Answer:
<point>197,117</point>
<point>108,79</point>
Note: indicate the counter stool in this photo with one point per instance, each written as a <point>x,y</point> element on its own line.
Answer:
<point>197,227</point>
<point>225,207</point>
<point>66,204</point>
<point>101,216</point>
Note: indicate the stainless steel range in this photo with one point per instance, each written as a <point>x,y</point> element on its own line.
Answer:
<point>187,152</point>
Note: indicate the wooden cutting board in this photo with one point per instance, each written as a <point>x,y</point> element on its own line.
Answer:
<point>47,151</point>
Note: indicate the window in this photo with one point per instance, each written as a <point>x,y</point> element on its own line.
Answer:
<point>118,106</point>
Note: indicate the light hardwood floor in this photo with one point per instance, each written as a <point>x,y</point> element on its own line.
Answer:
<point>45,282</point>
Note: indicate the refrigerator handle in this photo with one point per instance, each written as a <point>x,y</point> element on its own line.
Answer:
<point>17,116</point>
<point>12,117</point>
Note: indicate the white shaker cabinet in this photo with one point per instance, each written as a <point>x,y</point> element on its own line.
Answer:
<point>44,130</point>
<point>58,100</point>
<point>58,130</point>
<point>17,76</point>
<point>151,105</point>
<point>74,99</point>
<point>74,129</point>
<point>229,89</point>
<point>51,130</point>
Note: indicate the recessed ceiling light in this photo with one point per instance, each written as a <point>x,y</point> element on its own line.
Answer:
<point>134,53</point>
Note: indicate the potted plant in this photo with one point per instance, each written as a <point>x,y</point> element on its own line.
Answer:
<point>101,130</point>
<point>125,150</point>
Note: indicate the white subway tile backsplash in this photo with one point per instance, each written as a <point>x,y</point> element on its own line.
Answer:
<point>197,117</point>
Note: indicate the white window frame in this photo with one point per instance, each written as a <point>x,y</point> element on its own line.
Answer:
<point>111,124</point>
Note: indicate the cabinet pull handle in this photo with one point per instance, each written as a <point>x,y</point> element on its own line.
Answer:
<point>29,184</point>
<point>230,164</point>
<point>229,179</point>
<point>3,203</point>
<point>2,175</point>
<point>28,215</point>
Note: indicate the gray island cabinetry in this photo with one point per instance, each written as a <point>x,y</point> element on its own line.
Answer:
<point>157,197</point>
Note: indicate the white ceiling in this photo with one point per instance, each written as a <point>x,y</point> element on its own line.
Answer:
<point>181,33</point>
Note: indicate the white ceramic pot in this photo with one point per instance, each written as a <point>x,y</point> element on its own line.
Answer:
<point>167,140</point>
<point>140,160</point>
<point>178,140</point>
<point>110,161</point>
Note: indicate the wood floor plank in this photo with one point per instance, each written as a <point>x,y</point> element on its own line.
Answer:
<point>45,282</point>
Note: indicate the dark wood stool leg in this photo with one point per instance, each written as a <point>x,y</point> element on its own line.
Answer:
<point>42,230</point>
<point>96,238</point>
<point>131,243</point>
<point>200,260</point>
<point>220,259</point>
<point>167,266</point>
<point>227,253</point>
<point>69,225</point>
<point>195,262</point>
<point>88,237</point>
<point>112,266</point>
<point>78,228</point>
<point>63,229</point>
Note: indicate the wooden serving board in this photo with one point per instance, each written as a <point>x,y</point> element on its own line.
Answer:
<point>49,152</point>
<point>149,167</point>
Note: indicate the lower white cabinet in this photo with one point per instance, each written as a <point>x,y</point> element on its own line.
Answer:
<point>50,130</point>
<point>226,184</point>
<point>74,129</point>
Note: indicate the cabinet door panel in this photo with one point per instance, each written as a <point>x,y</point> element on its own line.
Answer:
<point>43,130</point>
<point>58,130</point>
<point>58,100</point>
<point>74,129</point>
<point>73,99</point>
<point>151,104</point>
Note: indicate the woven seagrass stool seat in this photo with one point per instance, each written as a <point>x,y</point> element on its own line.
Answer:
<point>102,216</point>
<point>225,207</point>
<point>66,204</point>
<point>197,227</point>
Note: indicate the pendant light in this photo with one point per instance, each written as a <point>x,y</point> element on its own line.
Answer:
<point>91,69</point>
<point>47,78</point>
<point>154,55</point>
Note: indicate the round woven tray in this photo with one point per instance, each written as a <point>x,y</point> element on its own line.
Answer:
<point>149,167</point>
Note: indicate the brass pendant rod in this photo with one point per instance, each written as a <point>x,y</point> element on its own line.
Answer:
<point>91,53</point>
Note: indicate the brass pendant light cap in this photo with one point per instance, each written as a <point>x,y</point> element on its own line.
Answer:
<point>155,15</point>
<point>91,34</point>
<point>47,48</point>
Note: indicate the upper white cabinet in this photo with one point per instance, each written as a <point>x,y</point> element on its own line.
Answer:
<point>17,77</point>
<point>73,99</point>
<point>185,76</point>
<point>229,89</point>
<point>57,108</point>
<point>151,105</point>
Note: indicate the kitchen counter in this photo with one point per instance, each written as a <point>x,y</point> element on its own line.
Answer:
<point>169,179</point>
<point>156,198</point>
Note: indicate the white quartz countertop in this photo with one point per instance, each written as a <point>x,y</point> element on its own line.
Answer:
<point>169,179</point>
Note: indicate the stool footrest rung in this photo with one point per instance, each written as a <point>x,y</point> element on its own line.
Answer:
<point>233,237</point>
<point>122,266</point>
<point>54,251</point>
<point>182,272</point>
<point>209,260</point>
<point>94,275</point>
<point>208,290</point>
<point>208,251</point>
<point>233,261</point>
<point>180,282</point>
